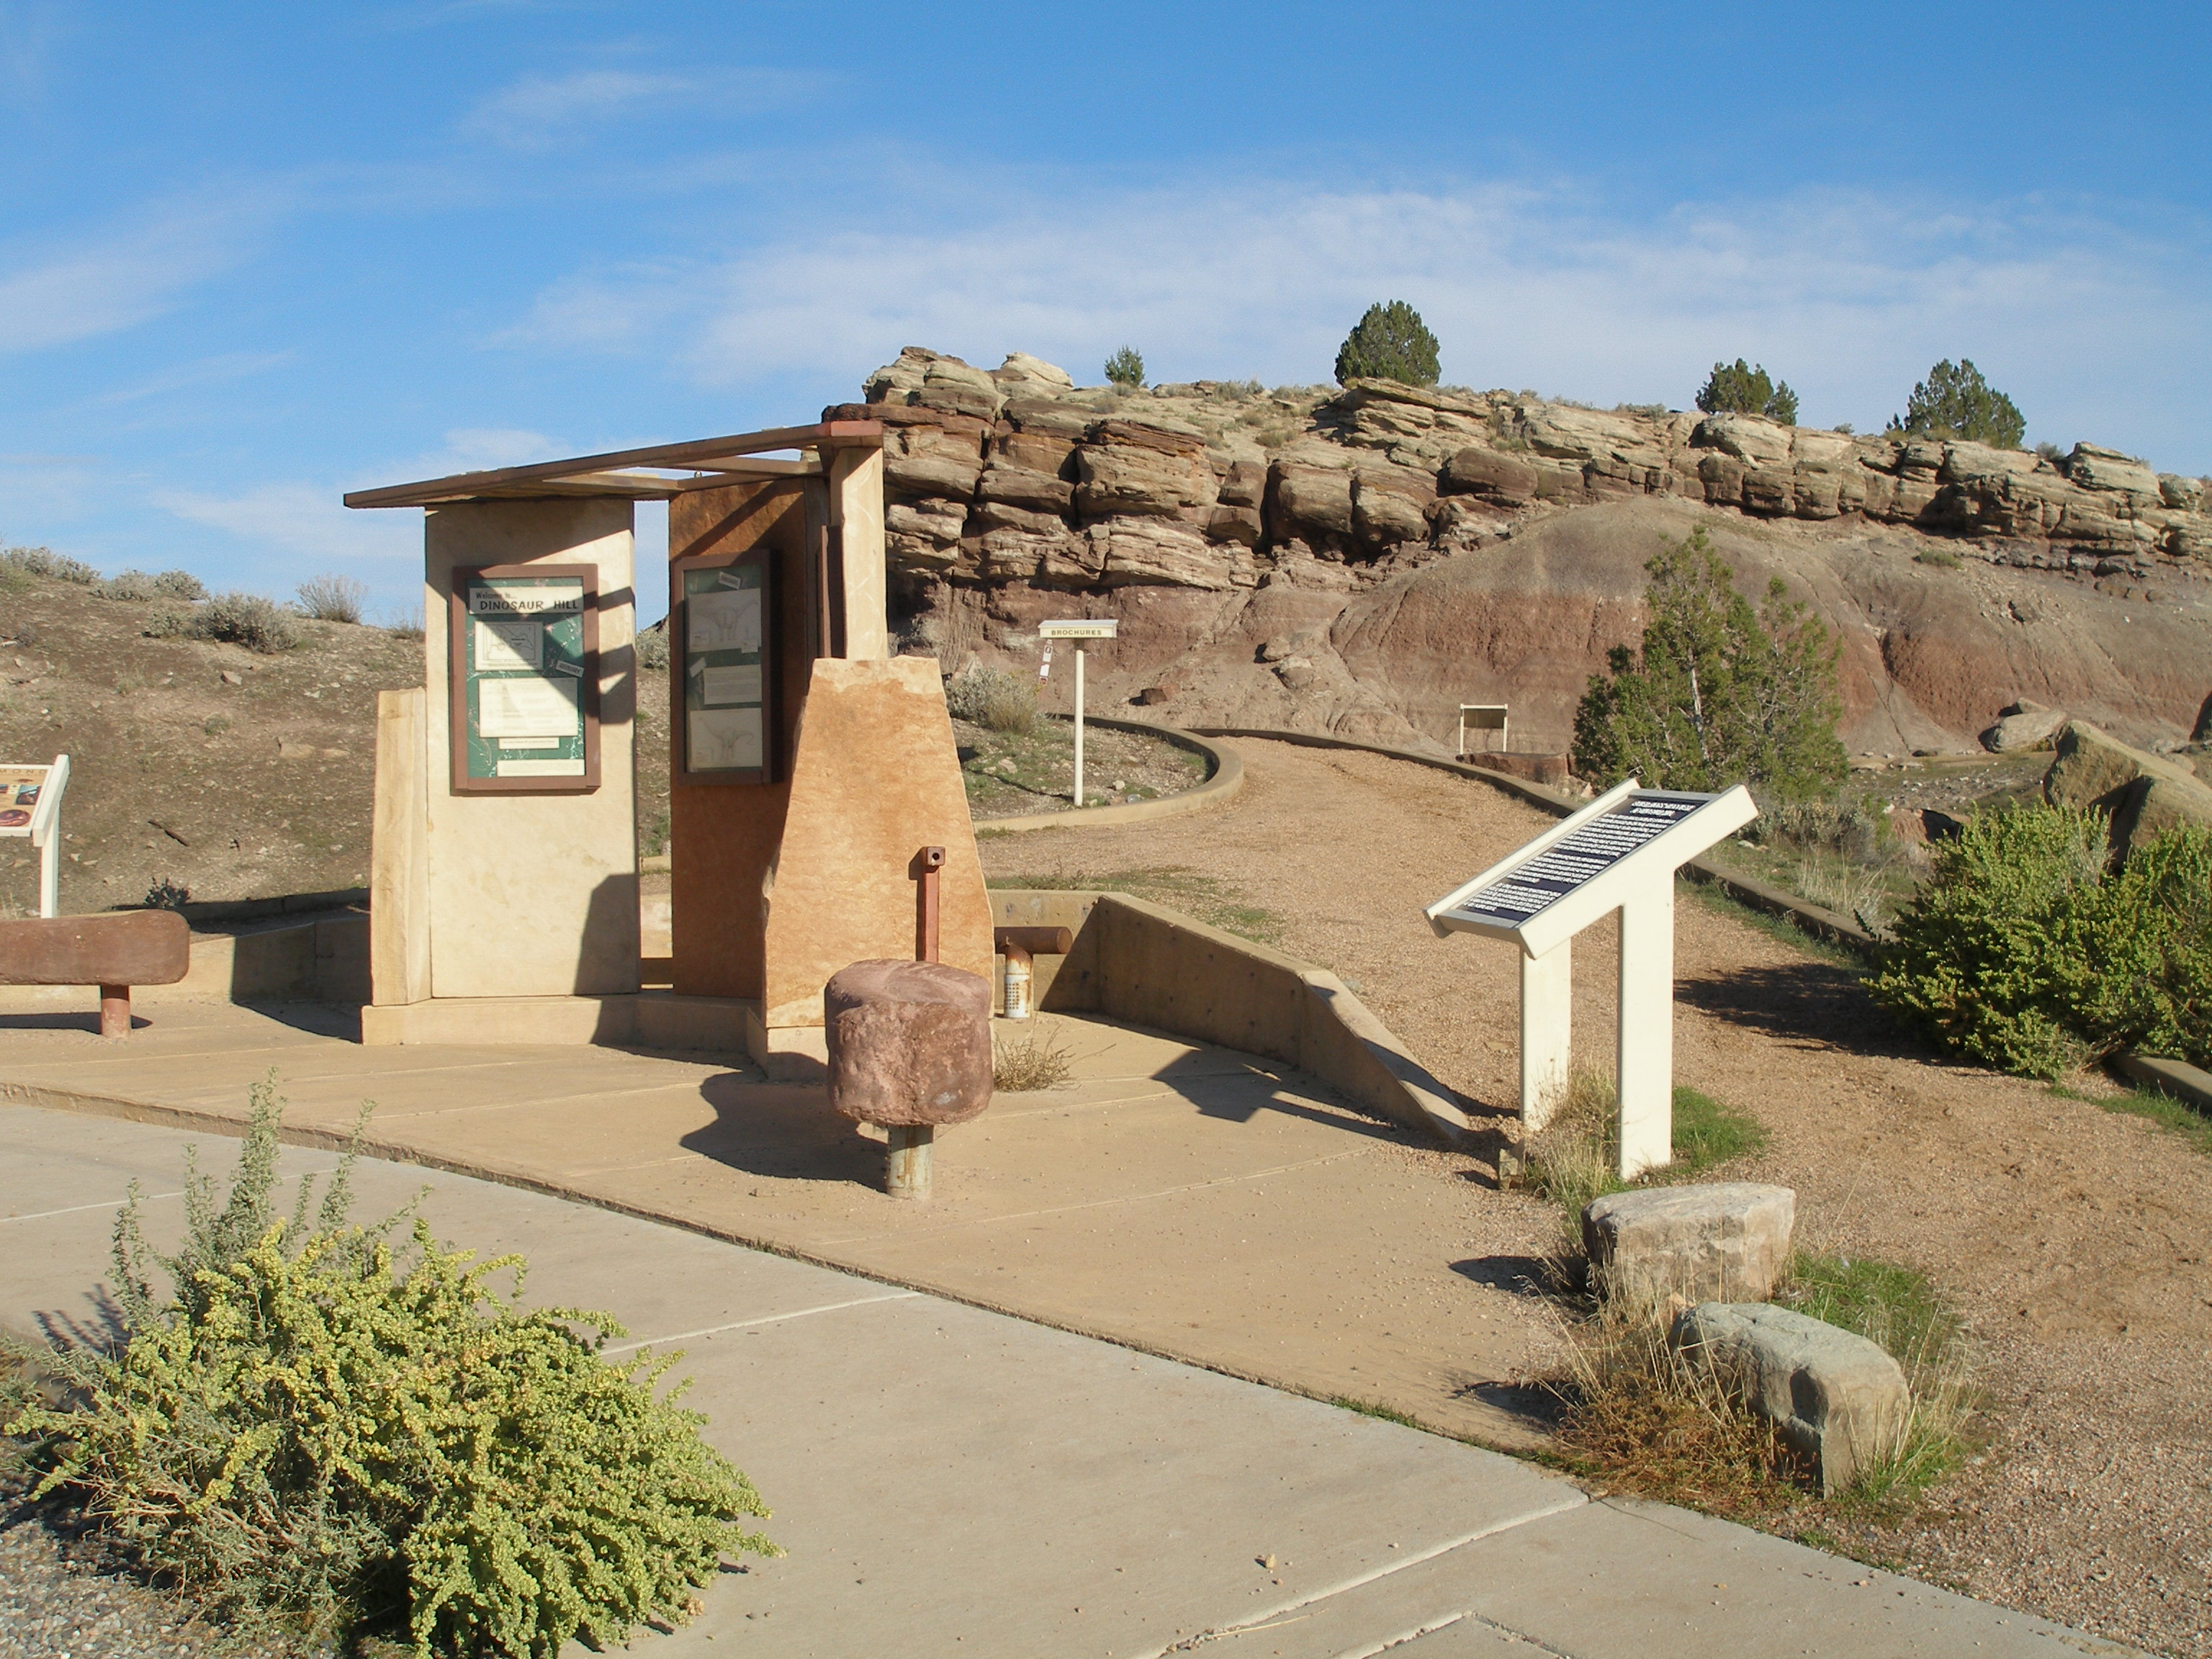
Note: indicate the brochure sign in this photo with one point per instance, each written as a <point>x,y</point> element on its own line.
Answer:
<point>525,662</point>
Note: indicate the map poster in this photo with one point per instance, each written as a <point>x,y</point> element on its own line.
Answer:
<point>19,795</point>
<point>524,644</point>
<point>722,626</point>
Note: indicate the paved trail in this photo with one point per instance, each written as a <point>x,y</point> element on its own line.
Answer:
<point>2072,1240</point>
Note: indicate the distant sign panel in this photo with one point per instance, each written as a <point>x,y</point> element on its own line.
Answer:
<point>1588,852</point>
<point>720,608</point>
<point>1081,627</point>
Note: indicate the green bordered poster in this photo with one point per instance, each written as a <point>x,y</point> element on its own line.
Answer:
<point>525,658</point>
<point>723,624</point>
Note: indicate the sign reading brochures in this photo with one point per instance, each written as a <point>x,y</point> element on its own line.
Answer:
<point>1618,854</point>
<point>718,626</point>
<point>525,658</point>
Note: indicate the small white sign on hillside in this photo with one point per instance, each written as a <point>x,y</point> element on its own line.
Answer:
<point>31,807</point>
<point>1619,853</point>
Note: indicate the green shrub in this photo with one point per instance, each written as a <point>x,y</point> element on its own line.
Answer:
<point>1988,959</point>
<point>1738,388</point>
<point>246,619</point>
<point>1126,368</point>
<point>1956,402</point>
<point>332,597</point>
<point>167,623</point>
<point>1716,693</point>
<point>321,1429</point>
<point>179,585</point>
<point>1388,343</point>
<point>2149,971</point>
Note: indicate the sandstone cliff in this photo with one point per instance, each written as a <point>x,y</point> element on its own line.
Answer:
<point>1361,560</point>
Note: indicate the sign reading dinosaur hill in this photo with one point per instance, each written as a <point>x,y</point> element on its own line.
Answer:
<point>1619,853</point>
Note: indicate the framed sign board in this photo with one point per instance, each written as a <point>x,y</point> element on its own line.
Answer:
<point>720,625</point>
<point>30,806</point>
<point>523,661</point>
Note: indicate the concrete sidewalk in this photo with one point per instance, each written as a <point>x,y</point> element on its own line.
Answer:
<point>1196,1202</point>
<point>949,1480</point>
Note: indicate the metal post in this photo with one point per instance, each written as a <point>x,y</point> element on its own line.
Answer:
<point>906,1167</point>
<point>1079,726</point>
<point>927,863</point>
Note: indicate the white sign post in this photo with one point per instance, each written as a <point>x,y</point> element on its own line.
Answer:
<point>31,807</point>
<point>1619,853</point>
<point>1078,629</point>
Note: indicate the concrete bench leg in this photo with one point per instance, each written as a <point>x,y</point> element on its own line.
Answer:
<point>114,1010</point>
<point>906,1170</point>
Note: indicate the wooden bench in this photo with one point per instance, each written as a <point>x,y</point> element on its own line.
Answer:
<point>138,947</point>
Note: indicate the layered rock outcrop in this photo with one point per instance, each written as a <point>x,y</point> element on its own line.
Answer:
<point>1012,485</point>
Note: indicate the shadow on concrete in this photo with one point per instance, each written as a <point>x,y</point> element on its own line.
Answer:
<point>327,1019</point>
<point>66,1020</point>
<point>784,1130</point>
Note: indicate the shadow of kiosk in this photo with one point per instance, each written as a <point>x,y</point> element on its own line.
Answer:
<point>807,765</point>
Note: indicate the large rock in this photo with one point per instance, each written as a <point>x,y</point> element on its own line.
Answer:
<point>1837,1398</point>
<point>909,1043</point>
<point>1719,1241</point>
<point>2094,467</point>
<point>1752,439</point>
<point>1312,503</point>
<point>1021,486</point>
<point>1490,475</point>
<point>1138,552</point>
<point>2144,793</point>
<point>2024,725</point>
<point>1120,477</point>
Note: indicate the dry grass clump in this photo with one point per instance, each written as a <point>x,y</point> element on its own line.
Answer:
<point>1029,1063</point>
<point>333,598</point>
<point>992,698</point>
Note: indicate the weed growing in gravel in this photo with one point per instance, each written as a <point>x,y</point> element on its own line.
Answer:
<point>320,1430</point>
<point>1368,1408</point>
<point>1029,1063</point>
<point>1576,1156</point>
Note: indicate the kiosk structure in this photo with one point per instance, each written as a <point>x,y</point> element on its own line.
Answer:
<point>808,766</point>
<point>1619,853</point>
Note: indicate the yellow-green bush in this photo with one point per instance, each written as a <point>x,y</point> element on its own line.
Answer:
<point>321,1428</point>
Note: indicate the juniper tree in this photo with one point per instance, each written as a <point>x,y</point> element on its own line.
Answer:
<point>1718,691</point>
<point>1389,342</point>
<point>1740,388</point>
<point>1956,402</point>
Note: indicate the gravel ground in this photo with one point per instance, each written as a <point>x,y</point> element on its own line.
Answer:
<point>1009,776</point>
<point>2072,1240</point>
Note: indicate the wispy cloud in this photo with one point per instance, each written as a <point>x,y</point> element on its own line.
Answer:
<point>306,520</point>
<point>53,294</point>
<point>541,110</point>
<point>1851,297</point>
<point>205,371</point>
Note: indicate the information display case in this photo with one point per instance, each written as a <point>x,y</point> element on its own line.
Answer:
<point>720,607</point>
<point>524,664</point>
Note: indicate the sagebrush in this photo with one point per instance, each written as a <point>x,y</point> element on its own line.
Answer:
<point>246,619</point>
<point>992,698</point>
<point>321,1428</point>
<point>333,598</point>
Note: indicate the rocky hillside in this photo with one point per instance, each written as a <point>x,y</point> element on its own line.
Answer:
<point>1361,560</point>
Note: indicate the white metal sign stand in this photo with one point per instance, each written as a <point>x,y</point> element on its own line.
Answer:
<point>31,807</point>
<point>1619,853</point>
<point>1078,629</point>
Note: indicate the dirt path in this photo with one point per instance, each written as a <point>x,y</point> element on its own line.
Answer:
<point>2072,1240</point>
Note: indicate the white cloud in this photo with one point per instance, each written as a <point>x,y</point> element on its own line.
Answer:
<point>305,520</point>
<point>51,295</point>
<point>2091,324</point>
<point>207,371</point>
<point>540,110</point>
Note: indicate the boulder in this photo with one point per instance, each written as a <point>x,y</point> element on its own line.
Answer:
<point>1752,439</point>
<point>1020,486</point>
<point>909,1043</point>
<point>1118,477</point>
<point>2091,466</point>
<point>1837,1398</point>
<point>1486,473</point>
<point>1142,552</point>
<point>2094,769</point>
<point>1244,484</point>
<point>1021,371</point>
<point>2024,725</point>
<point>944,476</point>
<point>1720,1241</point>
<point>2154,805</point>
<point>1312,503</point>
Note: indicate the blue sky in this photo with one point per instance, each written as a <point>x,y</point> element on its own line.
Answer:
<point>252,256</point>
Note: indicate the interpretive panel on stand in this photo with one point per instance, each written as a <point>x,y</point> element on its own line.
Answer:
<point>719,625</point>
<point>525,668</point>
<point>21,787</point>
